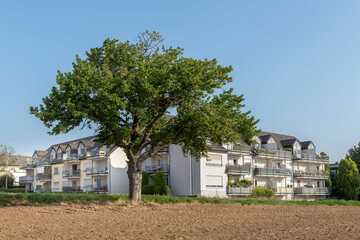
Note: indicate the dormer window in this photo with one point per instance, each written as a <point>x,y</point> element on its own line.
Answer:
<point>68,153</point>
<point>81,150</point>
<point>59,154</point>
<point>52,155</point>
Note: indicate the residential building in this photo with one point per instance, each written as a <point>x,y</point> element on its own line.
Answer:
<point>290,167</point>
<point>13,165</point>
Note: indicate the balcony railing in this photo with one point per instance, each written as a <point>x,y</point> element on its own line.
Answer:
<point>71,174</point>
<point>317,175</point>
<point>238,169</point>
<point>271,172</point>
<point>100,189</point>
<point>239,190</point>
<point>71,189</point>
<point>311,191</point>
<point>97,171</point>
<point>43,177</point>
<point>272,154</point>
<point>26,179</point>
<point>156,168</point>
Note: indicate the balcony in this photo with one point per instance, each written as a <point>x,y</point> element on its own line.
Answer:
<point>97,171</point>
<point>100,189</point>
<point>239,190</point>
<point>71,174</point>
<point>156,168</point>
<point>267,154</point>
<point>71,189</point>
<point>312,175</point>
<point>311,157</point>
<point>26,179</point>
<point>311,191</point>
<point>272,172</point>
<point>73,158</point>
<point>43,177</point>
<point>238,169</point>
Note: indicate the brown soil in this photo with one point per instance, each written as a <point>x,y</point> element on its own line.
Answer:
<point>194,221</point>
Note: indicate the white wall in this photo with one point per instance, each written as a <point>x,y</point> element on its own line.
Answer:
<point>180,172</point>
<point>118,179</point>
<point>213,179</point>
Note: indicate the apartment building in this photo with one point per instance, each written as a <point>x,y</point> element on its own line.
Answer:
<point>13,165</point>
<point>283,163</point>
<point>290,167</point>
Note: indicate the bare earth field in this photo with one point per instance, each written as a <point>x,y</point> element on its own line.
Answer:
<point>180,221</point>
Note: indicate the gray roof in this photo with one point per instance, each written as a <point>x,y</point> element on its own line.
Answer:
<point>282,140</point>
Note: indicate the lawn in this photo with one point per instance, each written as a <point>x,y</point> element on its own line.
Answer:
<point>13,199</point>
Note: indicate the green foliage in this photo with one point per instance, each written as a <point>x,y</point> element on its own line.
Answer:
<point>354,154</point>
<point>145,179</point>
<point>128,91</point>
<point>241,183</point>
<point>6,177</point>
<point>13,199</point>
<point>347,182</point>
<point>157,185</point>
<point>160,184</point>
<point>245,183</point>
<point>262,192</point>
<point>328,182</point>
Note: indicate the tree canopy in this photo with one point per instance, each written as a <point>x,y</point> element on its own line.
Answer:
<point>347,181</point>
<point>354,154</point>
<point>143,96</point>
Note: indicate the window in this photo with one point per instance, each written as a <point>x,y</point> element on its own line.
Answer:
<point>235,162</point>
<point>214,181</point>
<point>59,154</point>
<point>318,184</point>
<point>81,150</point>
<point>214,160</point>
<point>52,155</point>
<point>68,153</point>
<point>56,171</point>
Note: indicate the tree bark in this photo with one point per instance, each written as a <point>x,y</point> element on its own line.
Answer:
<point>135,182</point>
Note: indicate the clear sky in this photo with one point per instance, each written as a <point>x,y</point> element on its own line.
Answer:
<point>296,62</point>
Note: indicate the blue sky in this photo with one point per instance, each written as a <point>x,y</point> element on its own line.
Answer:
<point>296,62</point>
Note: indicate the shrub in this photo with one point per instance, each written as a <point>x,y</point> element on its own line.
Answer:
<point>156,185</point>
<point>262,192</point>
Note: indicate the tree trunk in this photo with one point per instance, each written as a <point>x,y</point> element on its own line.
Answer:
<point>135,181</point>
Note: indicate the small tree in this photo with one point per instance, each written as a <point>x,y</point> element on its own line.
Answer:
<point>7,180</point>
<point>347,181</point>
<point>143,96</point>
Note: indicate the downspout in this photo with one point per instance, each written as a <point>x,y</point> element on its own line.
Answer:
<point>191,188</point>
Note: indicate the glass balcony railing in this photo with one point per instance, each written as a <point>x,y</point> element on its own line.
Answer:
<point>238,169</point>
<point>311,191</point>
<point>272,172</point>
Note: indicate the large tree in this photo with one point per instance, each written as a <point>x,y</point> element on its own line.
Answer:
<point>347,181</point>
<point>142,96</point>
<point>354,154</point>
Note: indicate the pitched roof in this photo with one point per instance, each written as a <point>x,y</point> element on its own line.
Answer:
<point>282,140</point>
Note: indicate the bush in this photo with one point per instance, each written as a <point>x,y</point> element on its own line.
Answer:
<point>347,181</point>
<point>156,185</point>
<point>10,180</point>
<point>262,192</point>
<point>245,183</point>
